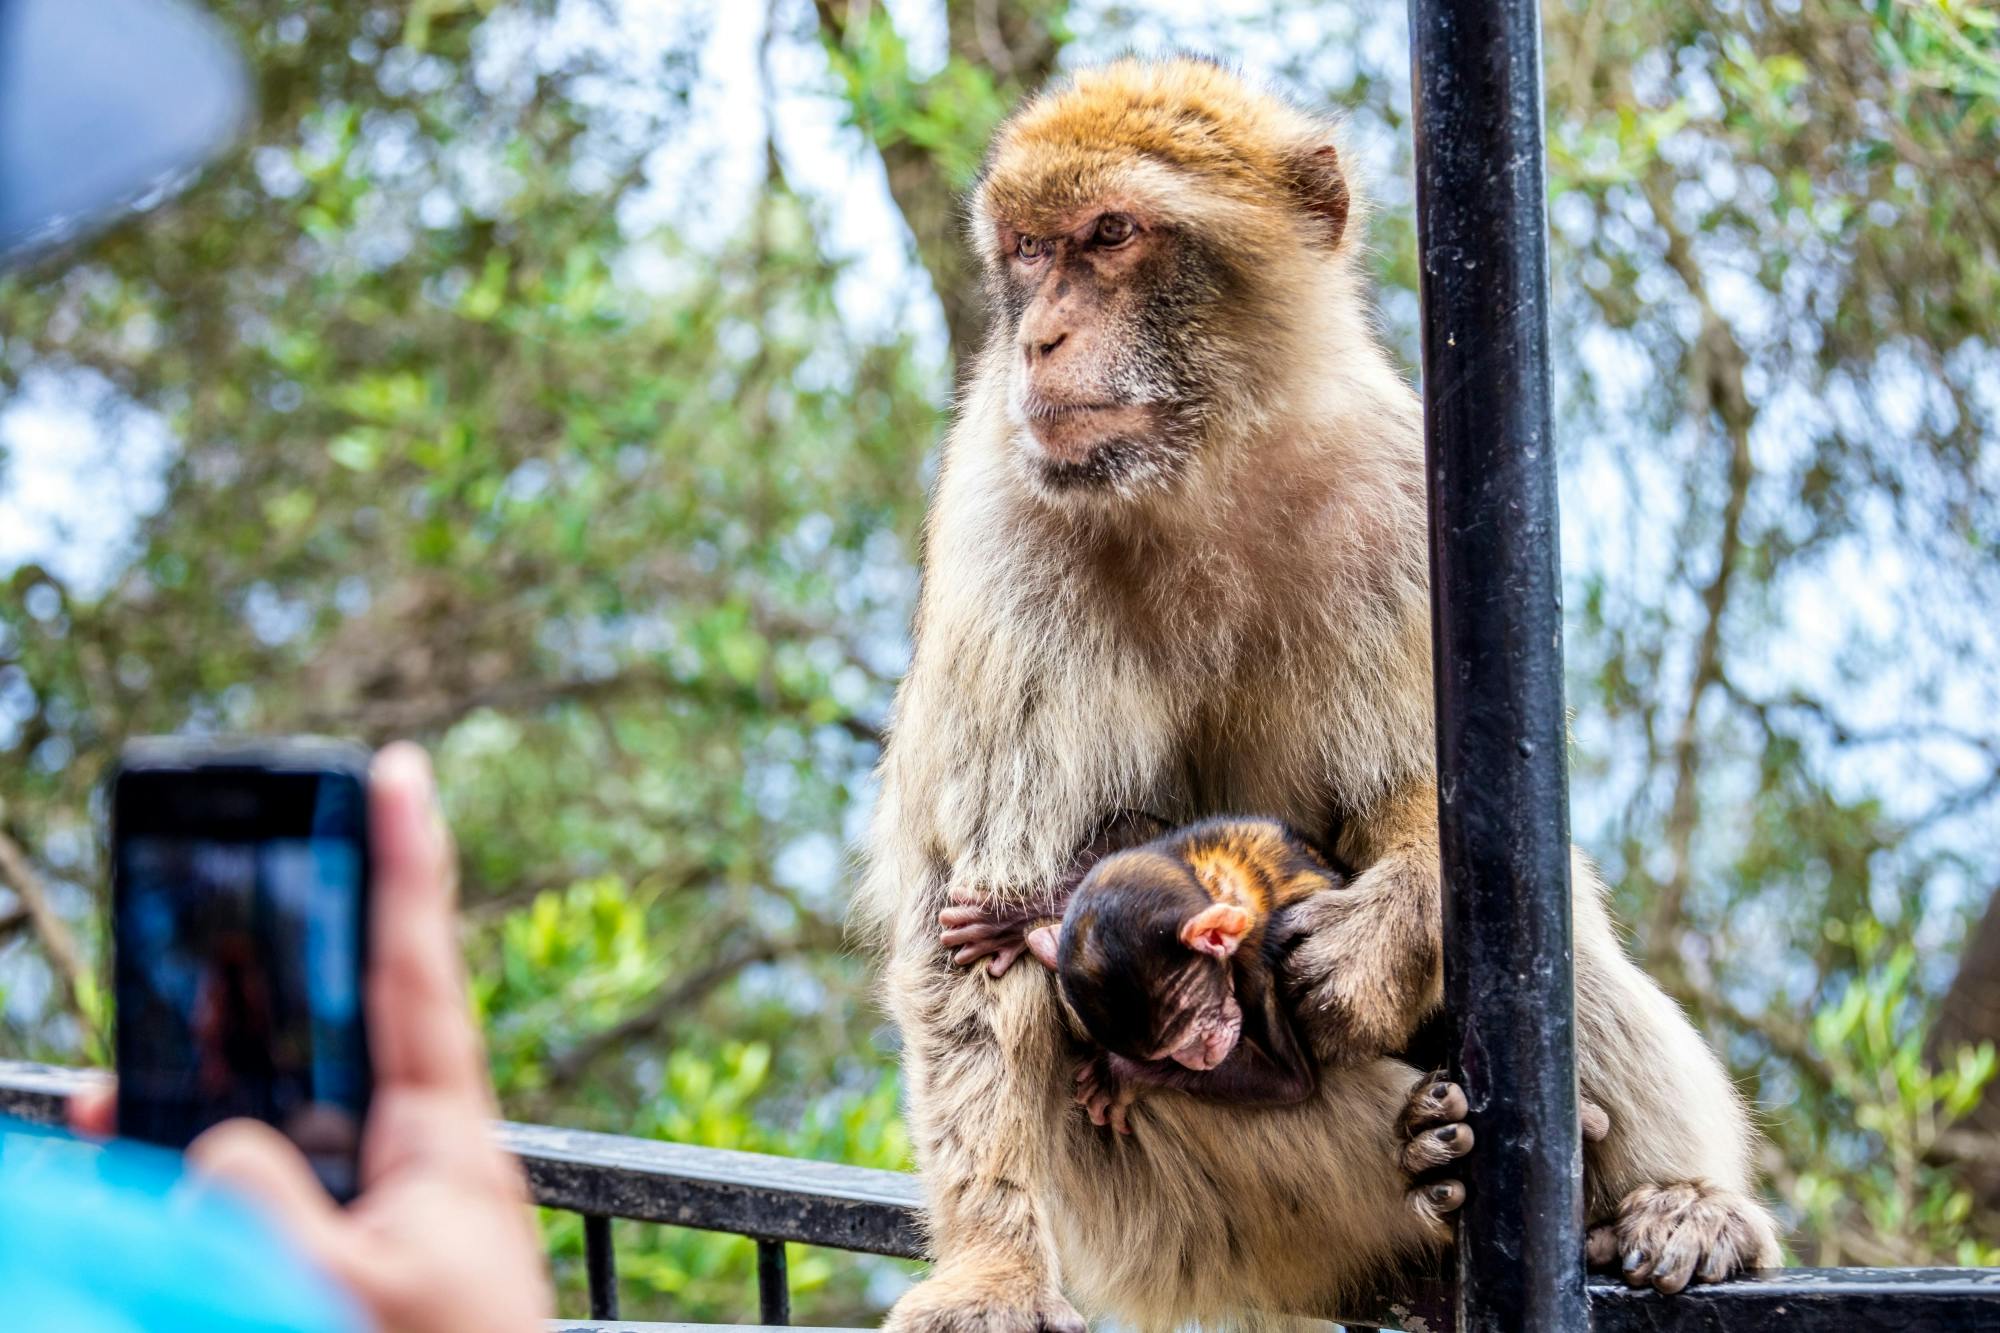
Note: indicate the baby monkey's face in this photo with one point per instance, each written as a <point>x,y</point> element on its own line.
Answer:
<point>1196,1019</point>
<point>1147,961</point>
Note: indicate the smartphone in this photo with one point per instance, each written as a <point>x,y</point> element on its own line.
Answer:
<point>240,940</point>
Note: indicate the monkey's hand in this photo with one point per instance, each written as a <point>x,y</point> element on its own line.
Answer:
<point>1434,1136</point>
<point>1367,966</point>
<point>974,928</point>
<point>1105,1093</point>
<point>1667,1235</point>
<point>968,1296</point>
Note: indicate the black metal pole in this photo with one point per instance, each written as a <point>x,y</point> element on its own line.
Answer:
<point>600,1266</point>
<point>1497,621</point>
<point>774,1287</point>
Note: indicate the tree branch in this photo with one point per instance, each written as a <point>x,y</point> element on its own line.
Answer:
<point>1720,359</point>
<point>1017,43</point>
<point>57,942</point>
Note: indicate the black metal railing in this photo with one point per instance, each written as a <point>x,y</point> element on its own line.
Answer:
<point>1476,74</point>
<point>773,1200</point>
<point>780,1200</point>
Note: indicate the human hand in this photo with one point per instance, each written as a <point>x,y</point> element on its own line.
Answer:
<point>440,1238</point>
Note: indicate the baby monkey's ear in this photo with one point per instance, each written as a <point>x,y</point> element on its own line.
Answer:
<point>1216,929</point>
<point>1042,944</point>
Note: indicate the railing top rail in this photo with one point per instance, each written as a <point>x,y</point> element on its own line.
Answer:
<point>714,1189</point>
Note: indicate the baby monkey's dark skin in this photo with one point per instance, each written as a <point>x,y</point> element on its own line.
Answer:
<point>1169,954</point>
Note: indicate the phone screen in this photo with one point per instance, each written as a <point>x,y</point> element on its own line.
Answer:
<point>239,928</point>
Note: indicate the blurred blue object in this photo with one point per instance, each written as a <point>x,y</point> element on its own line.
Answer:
<point>106,106</point>
<point>112,1238</point>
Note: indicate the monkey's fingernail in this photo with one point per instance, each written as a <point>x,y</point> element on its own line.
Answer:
<point>1633,1259</point>
<point>1439,1091</point>
<point>1449,1134</point>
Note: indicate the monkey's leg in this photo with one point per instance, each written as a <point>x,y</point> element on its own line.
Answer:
<point>1370,965</point>
<point>1670,1183</point>
<point>986,1075</point>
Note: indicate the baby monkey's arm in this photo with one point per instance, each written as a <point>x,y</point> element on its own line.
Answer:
<point>974,926</point>
<point>1108,1084</point>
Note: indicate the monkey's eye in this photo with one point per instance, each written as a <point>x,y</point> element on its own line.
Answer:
<point>1030,249</point>
<point>1113,230</point>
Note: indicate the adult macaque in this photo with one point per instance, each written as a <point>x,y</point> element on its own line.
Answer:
<point>1176,562</point>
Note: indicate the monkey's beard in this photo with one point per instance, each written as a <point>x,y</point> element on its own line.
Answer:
<point>1142,450</point>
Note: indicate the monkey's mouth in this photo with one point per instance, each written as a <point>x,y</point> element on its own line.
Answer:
<point>1070,434</point>
<point>1210,1038</point>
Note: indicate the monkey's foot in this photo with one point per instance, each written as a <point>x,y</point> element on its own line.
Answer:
<point>1101,1092</point>
<point>1435,1136</point>
<point>1667,1235</point>
<point>981,1301</point>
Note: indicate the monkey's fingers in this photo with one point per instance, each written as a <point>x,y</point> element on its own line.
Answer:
<point>1003,959</point>
<point>955,917</point>
<point>974,934</point>
<point>1435,1147</point>
<point>1436,1101</point>
<point>1435,1201</point>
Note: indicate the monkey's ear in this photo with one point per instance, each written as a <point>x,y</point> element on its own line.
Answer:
<point>1321,188</point>
<point>1042,944</point>
<point>1216,929</point>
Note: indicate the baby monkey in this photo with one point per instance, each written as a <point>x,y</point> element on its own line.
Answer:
<point>1168,953</point>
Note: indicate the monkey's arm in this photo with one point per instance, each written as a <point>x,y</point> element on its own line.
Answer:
<point>1251,1076</point>
<point>973,926</point>
<point>1368,966</point>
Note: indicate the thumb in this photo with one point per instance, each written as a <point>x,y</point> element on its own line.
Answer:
<point>263,1166</point>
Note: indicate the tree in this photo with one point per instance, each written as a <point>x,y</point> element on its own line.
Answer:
<point>483,432</point>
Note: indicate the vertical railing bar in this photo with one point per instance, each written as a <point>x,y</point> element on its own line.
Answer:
<point>600,1264</point>
<point>774,1289</point>
<point>1497,622</point>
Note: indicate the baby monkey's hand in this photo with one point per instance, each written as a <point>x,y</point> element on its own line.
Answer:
<point>973,927</point>
<point>1101,1091</point>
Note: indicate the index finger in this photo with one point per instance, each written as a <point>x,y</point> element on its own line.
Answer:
<point>419,1022</point>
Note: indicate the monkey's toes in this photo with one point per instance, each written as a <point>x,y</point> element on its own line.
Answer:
<point>1596,1122</point>
<point>1670,1235</point>
<point>1600,1246</point>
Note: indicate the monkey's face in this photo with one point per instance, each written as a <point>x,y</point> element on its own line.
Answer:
<point>1148,232</point>
<point>1102,307</point>
<point>1135,982</point>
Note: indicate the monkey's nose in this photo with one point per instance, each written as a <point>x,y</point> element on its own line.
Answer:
<point>1037,349</point>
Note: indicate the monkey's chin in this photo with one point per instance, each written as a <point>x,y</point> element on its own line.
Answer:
<point>1109,466</point>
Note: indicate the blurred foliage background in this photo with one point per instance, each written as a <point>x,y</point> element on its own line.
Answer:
<point>554,381</point>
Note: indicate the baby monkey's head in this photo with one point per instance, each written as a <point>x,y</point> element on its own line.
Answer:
<point>1145,957</point>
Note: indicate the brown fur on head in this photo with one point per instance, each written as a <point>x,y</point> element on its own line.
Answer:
<point>1159,239</point>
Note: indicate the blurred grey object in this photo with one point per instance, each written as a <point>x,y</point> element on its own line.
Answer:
<point>106,107</point>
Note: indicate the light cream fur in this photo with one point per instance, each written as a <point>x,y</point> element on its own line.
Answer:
<point>1250,639</point>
